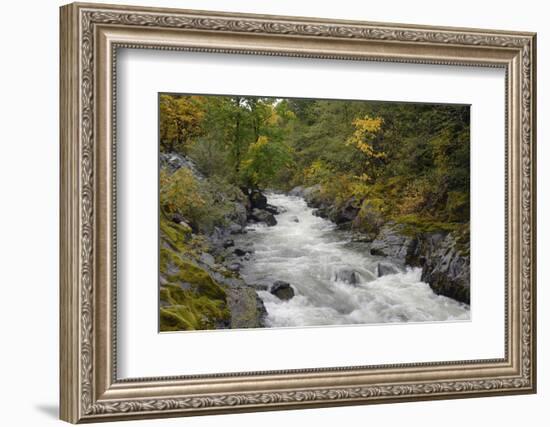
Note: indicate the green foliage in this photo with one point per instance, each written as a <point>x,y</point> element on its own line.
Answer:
<point>180,193</point>
<point>317,172</point>
<point>264,159</point>
<point>203,204</point>
<point>413,157</point>
<point>180,121</point>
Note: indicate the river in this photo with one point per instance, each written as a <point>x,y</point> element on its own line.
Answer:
<point>312,255</point>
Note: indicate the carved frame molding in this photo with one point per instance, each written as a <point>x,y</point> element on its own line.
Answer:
<point>90,36</point>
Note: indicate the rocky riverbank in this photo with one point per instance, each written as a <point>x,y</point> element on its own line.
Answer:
<point>200,284</point>
<point>442,255</point>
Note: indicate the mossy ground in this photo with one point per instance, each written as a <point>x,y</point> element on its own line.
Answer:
<point>191,299</point>
<point>414,224</point>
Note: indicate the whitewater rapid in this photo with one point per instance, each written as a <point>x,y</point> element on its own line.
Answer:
<point>310,253</point>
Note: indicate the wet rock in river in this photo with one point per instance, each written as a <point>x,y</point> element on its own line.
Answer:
<point>282,290</point>
<point>235,229</point>
<point>385,269</point>
<point>242,252</point>
<point>259,215</point>
<point>273,209</point>
<point>294,218</point>
<point>348,276</point>
<point>228,243</point>
<point>235,266</point>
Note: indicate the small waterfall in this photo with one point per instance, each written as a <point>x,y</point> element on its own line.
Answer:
<point>335,279</point>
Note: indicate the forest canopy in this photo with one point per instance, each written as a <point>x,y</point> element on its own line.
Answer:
<point>410,162</point>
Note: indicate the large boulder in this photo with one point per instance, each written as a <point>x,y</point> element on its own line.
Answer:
<point>312,196</point>
<point>297,191</point>
<point>348,276</point>
<point>258,215</point>
<point>238,214</point>
<point>234,228</point>
<point>383,269</point>
<point>174,161</point>
<point>346,213</point>
<point>246,307</point>
<point>393,242</point>
<point>282,290</point>
<point>257,199</point>
<point>444,266</point>
<point>369,220</point>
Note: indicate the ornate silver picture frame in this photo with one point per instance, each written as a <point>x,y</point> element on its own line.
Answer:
<point>91,34</point>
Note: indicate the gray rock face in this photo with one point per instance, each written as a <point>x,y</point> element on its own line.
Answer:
<point>444,267</point>
<point>173,161</point>
<point>392,243</point>
<point>370,221</point>
<point>347,213</point>
<point>297,191</point>
<point>258,215</point>
<point>239,214</point>
<point>235,229</point>
<point>312,195</point>
<point>247,309</point>
<point>282,290</point>
<point>207,259</point>
<point>347,276</point>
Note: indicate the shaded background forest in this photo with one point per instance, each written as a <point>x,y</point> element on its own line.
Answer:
<point>408,162</point>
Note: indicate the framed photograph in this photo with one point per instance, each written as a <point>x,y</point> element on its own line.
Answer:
<point>266,212</point>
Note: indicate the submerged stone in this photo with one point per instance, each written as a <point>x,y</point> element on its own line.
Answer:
<point>282,290</point>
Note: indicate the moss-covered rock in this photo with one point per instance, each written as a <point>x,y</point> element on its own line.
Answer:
<point>190,298</point>
<point>185,309</point>
<point>198,295</point>
<point>246,307</point>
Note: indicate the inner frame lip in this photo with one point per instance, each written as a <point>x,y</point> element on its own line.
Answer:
<point>424,366</point>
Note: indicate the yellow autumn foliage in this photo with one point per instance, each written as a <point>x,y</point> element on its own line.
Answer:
<point>366,130</point>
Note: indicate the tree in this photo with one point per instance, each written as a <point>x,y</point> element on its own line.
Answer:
<point>180,121</point>
<point>264,160</point>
